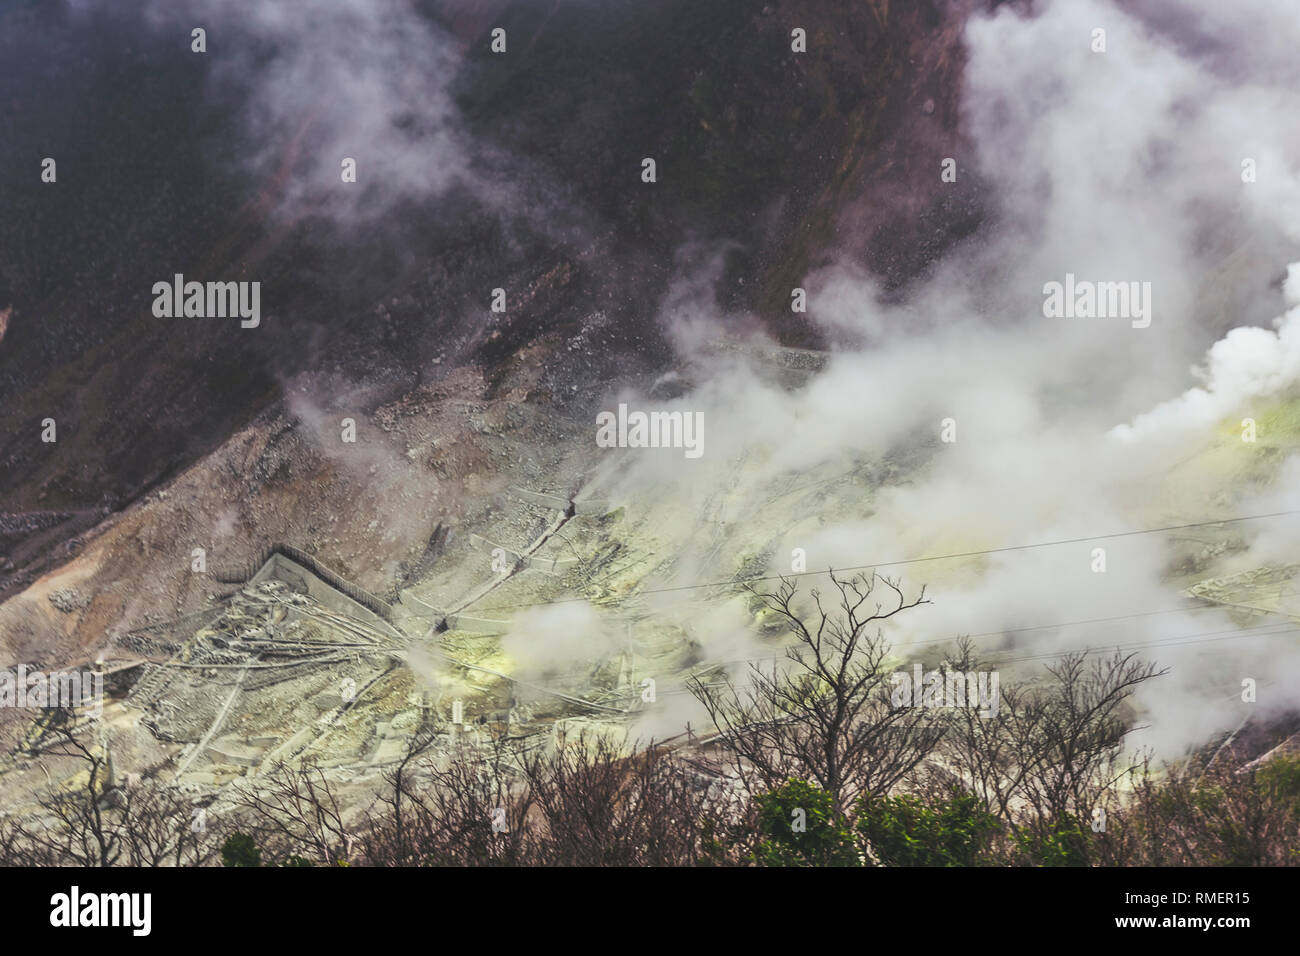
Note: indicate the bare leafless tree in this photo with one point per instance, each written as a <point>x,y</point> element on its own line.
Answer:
<point>1219,816</point>
<point>160,826</point>
<point>827,714</point>
<point>463,806</point>
<point>603,803</point>
<point>292,811</point>
<point>97,820</point>
<point>1070,743</point>
<point>982,752</point>
<point>1052,759</point>
<point>73,824</point>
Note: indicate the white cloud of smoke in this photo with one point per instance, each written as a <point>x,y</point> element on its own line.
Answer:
<point>1117,166</point>
<point>559,639</point>
<point>363,79</point>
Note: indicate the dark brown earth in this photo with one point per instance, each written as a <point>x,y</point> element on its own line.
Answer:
<point>787,159</point>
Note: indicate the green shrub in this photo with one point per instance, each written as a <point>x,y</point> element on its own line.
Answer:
<point>905,831</point>
<point>797,825</point>
<point>1065,842</point>
<point>1279,781</point>
<point>240,850</point>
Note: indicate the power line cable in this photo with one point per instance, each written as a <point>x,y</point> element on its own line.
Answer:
<point>910,561</point>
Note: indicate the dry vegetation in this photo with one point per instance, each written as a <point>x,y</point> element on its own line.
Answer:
<point>813,765</point>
